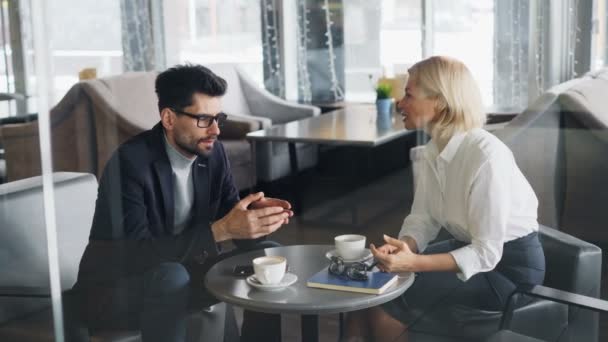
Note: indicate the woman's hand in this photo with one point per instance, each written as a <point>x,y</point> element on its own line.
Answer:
<point>394,256</point>
<point>386,248</point>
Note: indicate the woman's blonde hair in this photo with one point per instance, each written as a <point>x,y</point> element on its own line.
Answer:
<point>449,81</point>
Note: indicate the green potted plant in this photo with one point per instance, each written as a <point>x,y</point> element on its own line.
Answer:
<point>383,99</point>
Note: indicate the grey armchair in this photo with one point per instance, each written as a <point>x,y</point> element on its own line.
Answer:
<point>96,116</point>
<point>573,266</point>
<point>245,99</point>
<point>546,293</point>
<point>25,306</point>
<point>560,143</point>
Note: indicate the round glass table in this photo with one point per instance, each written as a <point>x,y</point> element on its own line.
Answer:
<point>304,261</point>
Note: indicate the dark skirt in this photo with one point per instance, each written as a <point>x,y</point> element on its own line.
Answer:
<point>434,293</point>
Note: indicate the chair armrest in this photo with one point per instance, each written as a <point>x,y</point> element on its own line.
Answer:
<point>564,297</point>
<point>237,126</point>
<point>18,119</point>
<point>500,118</point>
<point>25,291</point>
<point>265,104</point>
<point>279,110</point>
<point>555,295</point>
<point>11,96</point>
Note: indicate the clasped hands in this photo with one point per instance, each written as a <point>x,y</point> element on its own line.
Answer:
<point>394,256</point>
<point>252,217</point>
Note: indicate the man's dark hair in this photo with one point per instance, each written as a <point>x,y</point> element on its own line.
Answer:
<point>176,86</point>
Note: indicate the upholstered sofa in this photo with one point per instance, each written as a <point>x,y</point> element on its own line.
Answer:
<point>95,116</point>
<point>25,307</point>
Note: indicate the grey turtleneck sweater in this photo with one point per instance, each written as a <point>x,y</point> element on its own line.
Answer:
<point>183,187</point>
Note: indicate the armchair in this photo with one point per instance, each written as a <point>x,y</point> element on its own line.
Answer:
<point>246,99</point>
<point>572,265</point>
<point>545,293</point>
<point>559,143</point>
<point>96,116</point>
<point>585,143</point>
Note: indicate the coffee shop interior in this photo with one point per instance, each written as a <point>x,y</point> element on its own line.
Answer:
<point>314,117</point>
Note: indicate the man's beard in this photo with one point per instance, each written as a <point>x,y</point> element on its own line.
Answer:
<point>193,148</point>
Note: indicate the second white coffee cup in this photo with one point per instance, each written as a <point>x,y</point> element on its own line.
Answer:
<point>269,269</point>
<point>350,246</point>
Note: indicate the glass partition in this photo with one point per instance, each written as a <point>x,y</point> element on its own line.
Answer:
<point>73,47</point>
<point>62,194</point>
<point>599,38</point>
<point>214,32</point>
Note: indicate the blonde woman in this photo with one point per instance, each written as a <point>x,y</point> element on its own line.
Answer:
<point>469,184</point>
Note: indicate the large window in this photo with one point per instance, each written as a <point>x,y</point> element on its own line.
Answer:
<point>464,29</point>
<point>381,38</point>
<point>214,31</point>
<point>82,34</point>
<point>386,37</point>
<point>16,60</point>
<point>92,39</point>
<point>599,38</point>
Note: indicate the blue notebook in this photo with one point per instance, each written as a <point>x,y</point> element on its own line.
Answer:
<point>376,283</point>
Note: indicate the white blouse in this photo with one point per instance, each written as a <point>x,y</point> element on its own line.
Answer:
<point>475,190</point>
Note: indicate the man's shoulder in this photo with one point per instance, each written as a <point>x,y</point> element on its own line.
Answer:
<point>139,146</point>
<point>135,153</point>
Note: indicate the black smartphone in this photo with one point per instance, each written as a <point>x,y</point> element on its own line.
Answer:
<point>243,270</point>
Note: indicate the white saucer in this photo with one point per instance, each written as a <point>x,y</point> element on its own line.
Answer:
<point>367,254</point>
<point>288,279</point>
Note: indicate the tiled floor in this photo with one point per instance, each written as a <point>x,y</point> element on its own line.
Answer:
<point>380,207</point>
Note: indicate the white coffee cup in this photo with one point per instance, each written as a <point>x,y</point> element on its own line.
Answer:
<point>269,269</point>
<point>350,246</point>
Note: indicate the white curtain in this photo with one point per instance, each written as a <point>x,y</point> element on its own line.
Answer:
<point>142,35</point>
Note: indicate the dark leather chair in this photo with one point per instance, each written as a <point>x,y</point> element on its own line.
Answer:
<point>573,266</point>
<point>510,336</point>
<point>546,293</point>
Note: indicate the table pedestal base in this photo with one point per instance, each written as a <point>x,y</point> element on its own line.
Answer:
<point>310,328</point>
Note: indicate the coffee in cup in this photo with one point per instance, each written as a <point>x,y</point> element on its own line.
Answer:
<point>350,246</point>
<point>269,269</point>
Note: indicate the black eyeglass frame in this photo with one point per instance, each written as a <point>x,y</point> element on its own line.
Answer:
<point>354,271</point>
<point>220,118</point>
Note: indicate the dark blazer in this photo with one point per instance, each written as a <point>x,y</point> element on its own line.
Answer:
<point>132,227</point>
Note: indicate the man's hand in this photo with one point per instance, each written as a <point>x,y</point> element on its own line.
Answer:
<point>241,223</point>
<point>395,256</point>
<point>266,202</point>
<point>269,202</point>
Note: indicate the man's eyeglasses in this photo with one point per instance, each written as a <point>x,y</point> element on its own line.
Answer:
<point>204,120</point>
<point>354,271</point>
